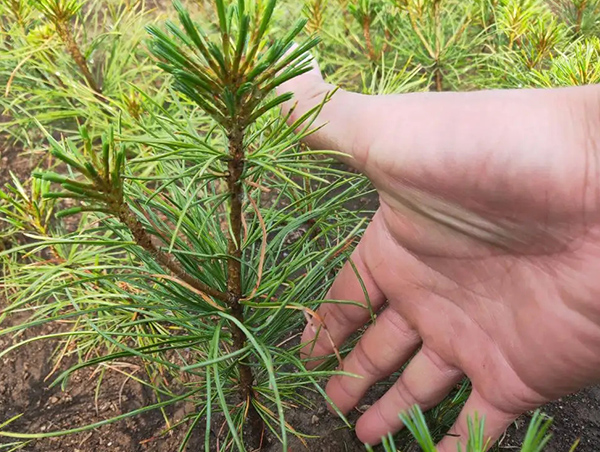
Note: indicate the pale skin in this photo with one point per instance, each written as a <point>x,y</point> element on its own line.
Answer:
<point>485,251</point>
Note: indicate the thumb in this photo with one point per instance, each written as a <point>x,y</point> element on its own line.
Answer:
<point>343,122</point>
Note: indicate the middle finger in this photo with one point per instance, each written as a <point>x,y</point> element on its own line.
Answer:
<point>383,349</point>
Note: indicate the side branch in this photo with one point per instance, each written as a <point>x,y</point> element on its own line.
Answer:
<point>68,39</point>
<point>143,239</point>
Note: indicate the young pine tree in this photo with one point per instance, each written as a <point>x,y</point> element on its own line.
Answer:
<point>192,270</point>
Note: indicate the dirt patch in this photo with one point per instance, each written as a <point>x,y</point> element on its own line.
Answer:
<point>13,159</point>
<point>24,389</point>
<point>576,417</point>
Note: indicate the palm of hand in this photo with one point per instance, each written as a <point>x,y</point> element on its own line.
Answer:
<point>484,248</point>
<point>506,321</point>
<point>505,299</point>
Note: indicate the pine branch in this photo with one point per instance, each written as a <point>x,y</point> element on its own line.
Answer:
<point>60,13</point>
<point>66,35</point>
<point>103,192</point>
<point>143,239</point>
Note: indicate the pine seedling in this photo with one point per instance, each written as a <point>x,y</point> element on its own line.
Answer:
<point>514,19</point>
<point>528,37</point>
<point>233,79</point>
<point>577,65</point>
<point>541,40</point>
<point>440,36</point>
<point>366,12</point>
<point>231,82</point>
<point>582,16</point>
<point>314,11</point>
<point>414,421</point>
<point>18,9</point>
<point>536,438</point>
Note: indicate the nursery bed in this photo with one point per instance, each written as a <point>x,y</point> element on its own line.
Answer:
<point>24,388</point>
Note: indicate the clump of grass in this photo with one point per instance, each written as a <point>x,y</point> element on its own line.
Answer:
<point>536,438</point>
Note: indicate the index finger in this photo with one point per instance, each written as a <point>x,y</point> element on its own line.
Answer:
<point>335,322</point>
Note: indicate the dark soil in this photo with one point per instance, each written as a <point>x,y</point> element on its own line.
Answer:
<point>12,159</point>
<point>576,417</point>
<point>24,389</point>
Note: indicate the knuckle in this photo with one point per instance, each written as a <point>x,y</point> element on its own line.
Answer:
<point>369,366</point>
<point>439,364</point>
<point>409,396</point>
<point>388,424</point>
<point>348,391</point>
<point>400,327</point>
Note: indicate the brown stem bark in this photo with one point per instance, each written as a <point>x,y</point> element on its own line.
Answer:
<point>234,276</point>
<point>143,239</point>
<point>368,39</point>
<point>439,79</point>
<point>580,11</point>
<point>66,35</point>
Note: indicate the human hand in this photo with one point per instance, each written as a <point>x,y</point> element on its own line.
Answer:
<point>486,249</point>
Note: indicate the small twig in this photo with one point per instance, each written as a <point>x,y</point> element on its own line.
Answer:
<point>220,432</point>
<point>60,358</point>
<point>263,248</point>
<point>349,241</point>
<point>14,73</point>
<point>192,289</point>
<point>260,187</point>
<point>262,437</point>
<point>122,388</point>
<point>308,313</point>
<point>291,338</point>
<point>245,228</point>
<point>88,436</point>
<point>148,440</point>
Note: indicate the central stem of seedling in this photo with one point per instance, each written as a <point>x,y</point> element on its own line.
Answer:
<point>232,80</point>
<point>234,272</point>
